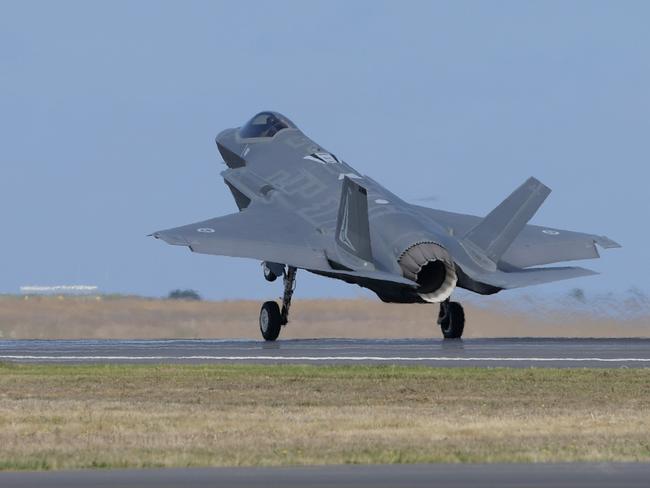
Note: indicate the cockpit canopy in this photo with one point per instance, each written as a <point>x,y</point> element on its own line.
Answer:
<point>265,124</point>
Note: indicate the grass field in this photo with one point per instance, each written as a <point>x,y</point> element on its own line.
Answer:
<point>129,318</point>
<point>54,417</point>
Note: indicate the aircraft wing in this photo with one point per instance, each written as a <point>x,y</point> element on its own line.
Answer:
<point>267,233</point>
<point>535,245</point>
<point>260,231</point>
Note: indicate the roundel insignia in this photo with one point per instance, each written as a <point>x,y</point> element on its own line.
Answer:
<point>550,232</point>
<point>205,230</point>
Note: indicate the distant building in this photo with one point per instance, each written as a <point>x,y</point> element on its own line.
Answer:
<point>59,290</point>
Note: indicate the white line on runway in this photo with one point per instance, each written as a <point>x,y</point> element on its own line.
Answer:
<point>314,358</point>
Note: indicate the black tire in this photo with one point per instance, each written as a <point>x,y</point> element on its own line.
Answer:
<point>453,322</point>
<point>269,275</point>
<point>270,321</point>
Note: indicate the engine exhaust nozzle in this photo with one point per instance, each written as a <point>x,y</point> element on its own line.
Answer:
<point>431,267</point>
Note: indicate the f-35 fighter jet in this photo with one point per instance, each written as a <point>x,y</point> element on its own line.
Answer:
<point>303,207</point>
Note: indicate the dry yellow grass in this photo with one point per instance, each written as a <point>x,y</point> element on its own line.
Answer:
<point>54,417</point>
<point>50,317</point>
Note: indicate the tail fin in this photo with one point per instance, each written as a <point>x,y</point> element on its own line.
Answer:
<point>494,234</point>
<point>352,226</point>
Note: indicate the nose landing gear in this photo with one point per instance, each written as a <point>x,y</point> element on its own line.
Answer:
<point>451,319</point>
<point>272,317</point>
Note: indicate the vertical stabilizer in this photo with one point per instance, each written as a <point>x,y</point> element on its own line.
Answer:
<point>352,226</point>
<point>494,234</point>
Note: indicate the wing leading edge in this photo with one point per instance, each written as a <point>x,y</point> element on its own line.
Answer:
<point>265,233</point>
<point>258,232</point>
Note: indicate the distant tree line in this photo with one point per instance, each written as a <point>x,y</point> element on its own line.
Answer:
<point>179,294</point>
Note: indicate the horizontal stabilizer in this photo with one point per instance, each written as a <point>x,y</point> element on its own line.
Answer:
<point>535,276</point>
<point>496,232</point>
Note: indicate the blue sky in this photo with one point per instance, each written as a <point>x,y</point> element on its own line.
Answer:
<point>108,113</point>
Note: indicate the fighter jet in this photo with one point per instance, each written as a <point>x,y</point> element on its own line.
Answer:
<point>303,207</point>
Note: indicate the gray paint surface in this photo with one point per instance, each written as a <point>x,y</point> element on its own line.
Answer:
<point>510,352</point>
<point>303,206</point>
<point>407,476</point>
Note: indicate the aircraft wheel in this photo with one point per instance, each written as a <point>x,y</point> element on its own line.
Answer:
<point>270,321</point>
<point>452,320</point>
<point>269,275</point>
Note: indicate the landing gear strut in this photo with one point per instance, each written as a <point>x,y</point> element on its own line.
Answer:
<point>451,319</point>
<point>272,318</point>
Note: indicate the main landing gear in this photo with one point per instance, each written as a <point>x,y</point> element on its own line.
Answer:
<point>451,319</point>
<point>272,318</point>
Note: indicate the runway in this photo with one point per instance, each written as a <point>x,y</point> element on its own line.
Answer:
<point>515,352</point>
<point>407,476</point>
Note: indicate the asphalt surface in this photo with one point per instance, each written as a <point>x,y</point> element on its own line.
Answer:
<point>383,476</point>
<point>514,352</point>
<point>469,352</point>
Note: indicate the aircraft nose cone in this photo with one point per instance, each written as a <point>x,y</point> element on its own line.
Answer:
<point>224,136</point>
